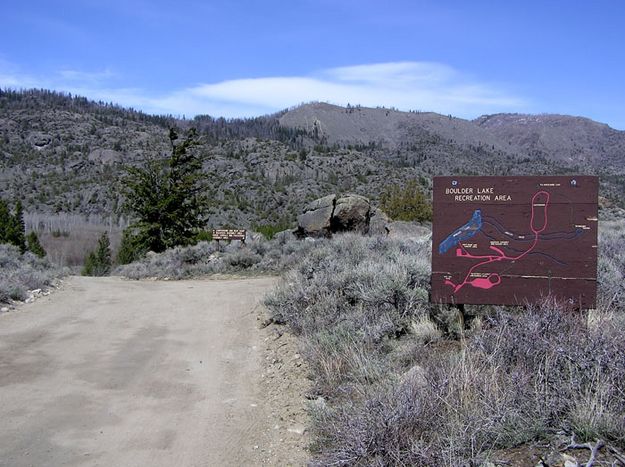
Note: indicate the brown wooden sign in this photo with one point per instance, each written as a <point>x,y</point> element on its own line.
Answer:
<point>514,240</point>
<point>229,234</point>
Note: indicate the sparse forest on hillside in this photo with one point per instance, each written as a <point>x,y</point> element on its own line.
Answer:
<point>66,154</point>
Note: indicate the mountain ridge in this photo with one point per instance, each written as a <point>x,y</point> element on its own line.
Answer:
<point>575,140</point>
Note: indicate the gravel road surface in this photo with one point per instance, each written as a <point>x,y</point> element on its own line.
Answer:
<point>111,372</point>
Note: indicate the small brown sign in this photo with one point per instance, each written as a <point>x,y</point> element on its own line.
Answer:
<point>514,240</point>
<point>229,234</point>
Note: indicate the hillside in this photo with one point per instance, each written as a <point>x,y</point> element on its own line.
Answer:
<point>62,154</point>
<point>569,141</point>
<point>386,127</point>
<point>490,144</point>
<point>67,154</point>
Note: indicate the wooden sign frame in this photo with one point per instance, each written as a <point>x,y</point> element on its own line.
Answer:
<point>229,234</point>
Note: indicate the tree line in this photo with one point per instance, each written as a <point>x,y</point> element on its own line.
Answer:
<point>13,231</point>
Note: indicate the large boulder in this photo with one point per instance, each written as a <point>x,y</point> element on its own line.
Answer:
<point>349,213</point>
<point>316,220</point>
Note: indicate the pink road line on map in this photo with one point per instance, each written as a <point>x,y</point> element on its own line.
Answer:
<point>486,283</point>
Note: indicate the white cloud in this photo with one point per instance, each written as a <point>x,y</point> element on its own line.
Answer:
<point>404,85</point>
<point>81,76</point>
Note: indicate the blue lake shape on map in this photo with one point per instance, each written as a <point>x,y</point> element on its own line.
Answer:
<point>463,233</point>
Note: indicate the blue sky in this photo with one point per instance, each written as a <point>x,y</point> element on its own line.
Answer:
<point>243,58</point>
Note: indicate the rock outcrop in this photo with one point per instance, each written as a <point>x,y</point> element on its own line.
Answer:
<point>39,140</point>
<point>349,213</point>
<point>352,213</point>
<point>316,219</point>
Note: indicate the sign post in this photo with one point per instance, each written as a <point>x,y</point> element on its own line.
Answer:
<point>514,240</point>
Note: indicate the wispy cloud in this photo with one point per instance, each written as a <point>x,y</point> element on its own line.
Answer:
<point>82,77</point>
<point>403,85</point>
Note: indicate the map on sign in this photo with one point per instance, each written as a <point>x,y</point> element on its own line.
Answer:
<point>513,240</point>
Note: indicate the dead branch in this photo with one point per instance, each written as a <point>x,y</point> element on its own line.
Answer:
<point>618,454</point>
<point>594,449</point>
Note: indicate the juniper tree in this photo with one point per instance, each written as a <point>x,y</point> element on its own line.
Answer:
<point>17,234</point>
<point>5,221</point>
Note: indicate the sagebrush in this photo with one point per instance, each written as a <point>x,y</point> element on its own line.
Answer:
<point>392,390</point>
<point>21,272</point>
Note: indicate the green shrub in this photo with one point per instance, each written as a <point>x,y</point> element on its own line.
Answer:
<point>406,203</point>
<point>12,225</point>
<point>204,236</point>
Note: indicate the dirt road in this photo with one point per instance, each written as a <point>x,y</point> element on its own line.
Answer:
<point>111,372</point>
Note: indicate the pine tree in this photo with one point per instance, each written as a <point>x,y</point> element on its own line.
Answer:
<point>5,221</point>
<point>32,242</point>
<point>185,205</point>
<point>98,262</point>
<point>167,198</point>
<point>12,225</point>
<point>17,233</point>
<point>131,248</point>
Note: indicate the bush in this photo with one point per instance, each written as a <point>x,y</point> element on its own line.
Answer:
<point>243,259</point>
<point>500,391</point>
<point>611,267</point>
<point>204,236</point>
<point>407,203</point>
<point>270,230</point>
<point>348,298</point>
<point>20,273</point>
<point>131,247</point>
<point>12,225</point>
<point>254,257</point>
